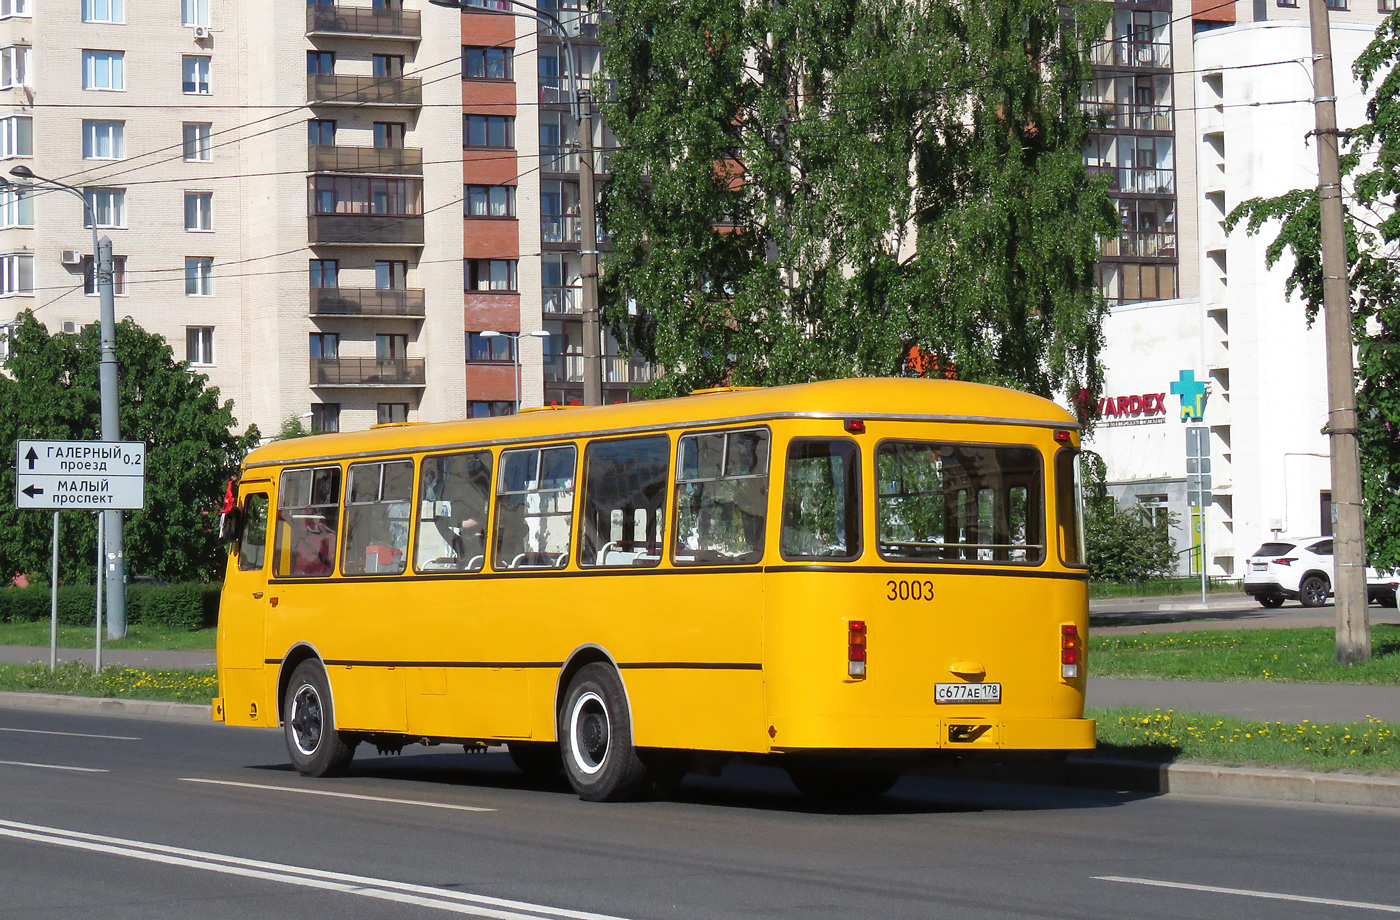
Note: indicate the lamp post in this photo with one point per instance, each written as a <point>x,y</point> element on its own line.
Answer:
<point>515,352</point>
<point>582,108</point>
<point>107,388</point>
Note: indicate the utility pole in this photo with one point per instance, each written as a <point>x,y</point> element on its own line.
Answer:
<point>111,431</point>
<point>1349,541</point>
<point>588,249</point>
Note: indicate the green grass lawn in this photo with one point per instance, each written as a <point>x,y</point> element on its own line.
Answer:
<point>1289,655</point>
<point>137,636</point>
<point>1165,735</point>
<point>1159,587</point>
<point>76,679</point>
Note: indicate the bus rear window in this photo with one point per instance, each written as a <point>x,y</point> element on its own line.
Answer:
<point>964,502</point>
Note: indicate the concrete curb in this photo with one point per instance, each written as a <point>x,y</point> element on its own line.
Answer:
<point>105,706</point>
<point>1278,785</point>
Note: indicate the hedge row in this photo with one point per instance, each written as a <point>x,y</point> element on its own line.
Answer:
<point>189,606</point>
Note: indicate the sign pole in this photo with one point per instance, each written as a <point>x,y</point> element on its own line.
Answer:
<point>53,600</point>
<point>97,661</point>
<point>1205,556</point>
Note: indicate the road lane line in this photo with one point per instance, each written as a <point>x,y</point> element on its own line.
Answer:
<point>35,731</point>
<point>457,902</point>
<point>1248,893</point>
<point>338,795</point>
<point>52,766</point>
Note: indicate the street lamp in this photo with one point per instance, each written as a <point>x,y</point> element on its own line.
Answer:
<point>515,352</point>
<point>582,109</point>
<point>107,388</point>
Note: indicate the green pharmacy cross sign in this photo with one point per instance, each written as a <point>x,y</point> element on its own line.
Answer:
<point>1193,396</point>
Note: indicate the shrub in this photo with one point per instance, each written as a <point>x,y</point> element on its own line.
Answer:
<point>187,606</point>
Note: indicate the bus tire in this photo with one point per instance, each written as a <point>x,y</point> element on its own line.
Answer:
<point>595,738</point>
<point>836,782</point>
<point>308,724</point>
<point>536,759</point>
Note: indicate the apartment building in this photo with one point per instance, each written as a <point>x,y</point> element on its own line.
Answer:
<point>1222,349</point>
<point>280,183</point>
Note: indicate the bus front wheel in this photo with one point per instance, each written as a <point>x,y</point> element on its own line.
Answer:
<point>308,722</point>
<point>595,731</point>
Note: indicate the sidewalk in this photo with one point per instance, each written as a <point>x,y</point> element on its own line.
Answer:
<point>131,658</point>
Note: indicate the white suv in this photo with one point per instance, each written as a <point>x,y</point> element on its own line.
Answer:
<point>1290,569</point>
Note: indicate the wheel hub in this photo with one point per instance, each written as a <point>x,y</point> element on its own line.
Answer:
<point>306,719</point>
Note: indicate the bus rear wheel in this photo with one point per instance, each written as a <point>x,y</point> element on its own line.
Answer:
<point>838,782</point>
<point>595,733</point>
<point>308,723</point>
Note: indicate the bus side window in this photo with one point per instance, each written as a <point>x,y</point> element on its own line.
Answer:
<point>377,518</point>
<point>308,512</point>
<point>252,545</point>
<point>821,501</point>
<point>453,494</point>
<point>721,497</point>
<point>1068,508</point>
<point>534,508</point>
<point>624,499</point>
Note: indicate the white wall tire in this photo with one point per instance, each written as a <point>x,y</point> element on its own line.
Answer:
<point>595,735</point>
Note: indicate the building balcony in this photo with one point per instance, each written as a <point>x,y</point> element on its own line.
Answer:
<point>1124,53</point>
<point>363,22</point>
<point>1151,245</point>
<point>559,228</point>
<point>563,300</point>
<point>397,161</point>
<point>365,229</point>
<point>369,302</point>
<point>346,89</point>
<point>1130,116</point>
<point>616,369</point>
<point>368,372</point>
<point>1127,179</point>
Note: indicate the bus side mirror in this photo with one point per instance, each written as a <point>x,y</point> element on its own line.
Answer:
<point>230,526</point>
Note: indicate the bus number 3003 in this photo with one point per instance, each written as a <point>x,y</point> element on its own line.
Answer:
<point>904,590</point>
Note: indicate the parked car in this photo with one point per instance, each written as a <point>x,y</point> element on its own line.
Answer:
<point>1301,569</point>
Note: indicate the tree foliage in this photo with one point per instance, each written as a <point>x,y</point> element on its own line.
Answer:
<point>803,188</point>
<point>1122,545</point>
<point>1370,167</point>
<point>49,391</point>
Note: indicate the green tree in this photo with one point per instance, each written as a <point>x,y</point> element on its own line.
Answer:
<point>1122,545</point>
<point>804,188</point>
<point>49,391</point>
<point>1370,166</point>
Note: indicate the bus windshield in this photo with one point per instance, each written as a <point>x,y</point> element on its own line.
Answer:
<point>965,502</point>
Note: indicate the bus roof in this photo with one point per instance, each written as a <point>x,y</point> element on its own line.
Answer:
<point>863,398</point>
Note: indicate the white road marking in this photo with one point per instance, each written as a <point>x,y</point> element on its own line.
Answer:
<point>35,731</point>
<point>1248,893</point>
<point>456,902</point>
<point>52,766</point>
<point>338,795</point>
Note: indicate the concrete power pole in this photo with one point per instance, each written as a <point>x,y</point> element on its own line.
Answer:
<point>1349,541</point>
<point>588,248</point>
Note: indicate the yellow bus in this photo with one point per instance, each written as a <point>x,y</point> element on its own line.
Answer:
<point>845,576</point>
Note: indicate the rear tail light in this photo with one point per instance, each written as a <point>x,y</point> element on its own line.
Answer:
<point>855,649</point>
<point>1071,651</point>
<point>1288,561</point>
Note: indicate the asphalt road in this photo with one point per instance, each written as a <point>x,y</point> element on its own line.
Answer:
<point>192,821</point>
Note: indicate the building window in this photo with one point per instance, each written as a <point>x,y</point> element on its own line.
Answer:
<point>199,344</point>
<point>199,276</point>
<point>320,62</point>
<point>14,66</point>
<point>17,136</point>
<point>490,274</point>
<point>488,63</point>
<point>10,8</point>
<point>393,412</point>
<point>101,10</point>
<point>389,134</point>
<point>198,148</point>
<point>194,12</point>
<point>195,70</point>
<point>16,275</point>
<point>390,346</point>
<point>490,349</point>
<point>101,70</point>
<point>199,210</point>
<point>1385,6</point>
<point>325,273</point>
<point>387,65</point>
<point>320,132</point>
<point>488,200</point>
<point>488,130</point>
<point>486,408</point>
<point>390,275</point>
<point>325,344</point>
<point>365,195</point>
<point>16,207</point>
<point>104,140</point>
<point>107,207</point>
<point>1337,4</point>
<point>325,418</point>
<point>118,276</point>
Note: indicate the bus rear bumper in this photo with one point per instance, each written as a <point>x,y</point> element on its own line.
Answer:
<point>969,732</point>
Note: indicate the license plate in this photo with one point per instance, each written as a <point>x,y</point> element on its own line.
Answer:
<point>967,693</point>
<point>1260,566</point>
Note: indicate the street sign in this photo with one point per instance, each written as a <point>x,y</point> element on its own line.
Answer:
<point>80,475</point>
<point>1198,481</point>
